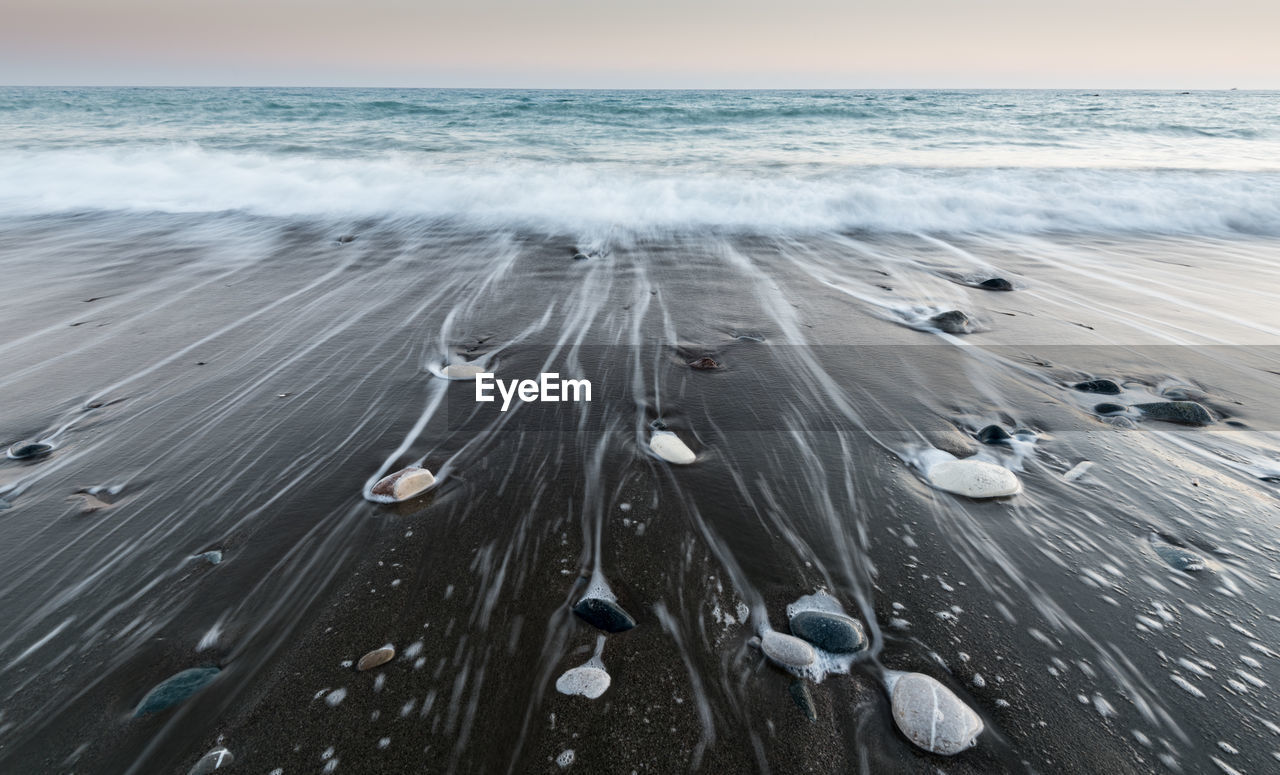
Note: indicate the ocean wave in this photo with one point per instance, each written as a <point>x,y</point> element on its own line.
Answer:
<point>577,195</point>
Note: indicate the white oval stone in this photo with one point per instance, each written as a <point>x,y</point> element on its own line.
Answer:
<point>461,371</point>
<point>589,682</point>
<point>405,483</point>
<point>787,650</point>
<point>932,717</point>
<point>974,478</point>
<point>670,448</point>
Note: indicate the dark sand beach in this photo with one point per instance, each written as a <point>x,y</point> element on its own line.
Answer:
<point>235,382</point>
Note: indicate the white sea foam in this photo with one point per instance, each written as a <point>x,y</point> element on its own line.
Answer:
<point>189,178</point>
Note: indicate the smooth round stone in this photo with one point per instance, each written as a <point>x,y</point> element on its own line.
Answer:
<point>932,717</point>
<point>1178,558</point>
<point>705,363</point>
<point>830,631</point>
<point>27,450</point>
<point>376,658</point>
<point>1184,412</point>
<point>1110,409</point>
<point>214,760</point>
<point>347,238</point>
<point>787,650</point>
<point>1101,386</point>
<point>405,483</point>
<point>461,371</point>
<point>589,682</point>
<point>670,448</point>
<point>974,479</point>
<point>604,614</point>
<point>175,689</point>
<point>996,284</point>
<point>953,322</point>
<point>994,434</point>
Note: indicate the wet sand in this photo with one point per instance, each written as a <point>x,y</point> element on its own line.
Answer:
<point>249,377</point>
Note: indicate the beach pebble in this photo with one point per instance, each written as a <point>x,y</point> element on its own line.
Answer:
<point>830,631</point>
<point>932,717</point>
<point>586,681</point>
<point>405,483</point>
<point>1102,386</point>
<point>1110,409</point>
<point>952,322</point>
<point>565,758</point>
<point>346,238</point>
<point>803,698</point>
<point>175,689</point>
<point>604,614</point>
<point>461,371</point>
<point>212,557</point>
<point>580,256</point>
<point>705,363</point>
<point>376,658</point>
<point>996,284</point>
<point>787,650</point>
<point>1176,557</point>
<point>994,434</point>
<point>27,450</point>
<point>670,448</point>
<point>214,760</point>
<point>1184,412</point>
<point>973,478</point>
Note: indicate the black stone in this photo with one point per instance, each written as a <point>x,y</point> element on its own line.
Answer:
<point>829,631</point>
<point>803,698</point>
<point>175,689</point>
<point>604,614</point>
<point>1109,409</point>
<point>1184,412</point>
<point>996,284</point>
<point>1102,386</point>
<point>27,450</point>
<point>952,322</point>
<point>994,434</point>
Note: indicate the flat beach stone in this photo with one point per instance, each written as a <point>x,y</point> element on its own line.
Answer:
<point>216,759</point>
<point>405,483</point>
<point>830,631</point>
<point>787,650</point>
<point>376,658</point>
<point>604,614</point>
<point>932,717</point>
<point>994,434</point>
<point>974,478</point>
<point>1101,386</point>
<point>586,681</point>
<point>996,284</point>
<point>347,238</point>
<point>175,689</point>
<point>1110,409</point>
<point>1177,557</point>
<point>953,322</point>
<point>803,698</point>
<point>705,363</point>
<point>1184,412</point>
<point>461,371</point>
<point>28,450</point>
<point>670,448</point>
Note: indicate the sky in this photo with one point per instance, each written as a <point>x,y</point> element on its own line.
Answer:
<point>1174,44</point>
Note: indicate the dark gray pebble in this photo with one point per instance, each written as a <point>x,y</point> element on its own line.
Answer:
<point>952,322</point>
<point>829,631</point>
<point>28,450</point>
<point>604,614</point>
<point>994,434</point>
<point>345,238</point>
<point>1184,412</point>
<point>175,689</point>
<point>1103,386</point>
<point>996,284</point>
<point>1109,409</point>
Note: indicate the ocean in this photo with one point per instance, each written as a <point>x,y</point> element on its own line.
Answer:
<point>986,378</point>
